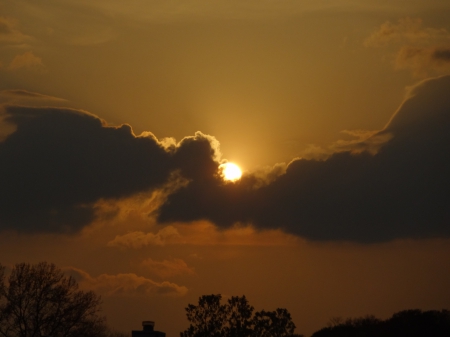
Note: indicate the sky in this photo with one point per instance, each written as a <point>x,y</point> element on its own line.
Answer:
<point>116,116</point>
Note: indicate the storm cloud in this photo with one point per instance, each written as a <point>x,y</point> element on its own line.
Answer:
<point>399,192</point>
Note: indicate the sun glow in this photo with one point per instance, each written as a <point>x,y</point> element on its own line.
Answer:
<point>230,171</point>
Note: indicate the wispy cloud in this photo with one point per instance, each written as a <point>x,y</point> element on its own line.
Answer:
<point>10,33</point>
<point>125,284</point>
<point>141,239</point>
<point>20,94</point>
<point>422,59</point>
<point>26,60</point>
<point>406,30</point>
<point>167,268</point>
<point>420,49</point>
<point>204,233</point>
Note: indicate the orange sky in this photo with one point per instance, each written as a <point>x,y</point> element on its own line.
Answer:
<point>115,117</point>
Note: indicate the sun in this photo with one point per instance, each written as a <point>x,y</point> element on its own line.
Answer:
<point>230,171</point>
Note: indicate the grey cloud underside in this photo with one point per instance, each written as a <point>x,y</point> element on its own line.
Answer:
<point>60,162</point>
<point>401,192</point>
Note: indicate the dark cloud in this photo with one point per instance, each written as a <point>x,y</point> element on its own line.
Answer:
<point>442,54</point>
<point>399,192</point>
<point>59,162</point>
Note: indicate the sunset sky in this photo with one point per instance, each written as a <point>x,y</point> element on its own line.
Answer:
<point>115,117</point>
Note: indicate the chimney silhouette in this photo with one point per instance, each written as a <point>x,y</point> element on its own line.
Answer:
<point>148,330</point>
<point>148,325</point>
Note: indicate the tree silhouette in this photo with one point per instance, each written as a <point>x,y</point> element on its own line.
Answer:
<point>238,317</point>
<point>276,323</point>
<point>407,323</point>
<point>235,319</point>
<point>39,300</point>
<point>207,318</point>
<point>416,323</point>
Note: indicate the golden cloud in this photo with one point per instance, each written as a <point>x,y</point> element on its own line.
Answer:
<point>421,50</point>
<point>9,33</point>
<point>141,239</point>
<point>421,59</point>
<point>204,233</point>
<point>26,60</point>
<point>125,284</point>
<point>167,268</point>
<point>406,29</point>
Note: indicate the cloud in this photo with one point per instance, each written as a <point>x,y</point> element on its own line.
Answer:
<point>406,30</point>
<point>441,55</point>
<point>167,268</point>
<point>420,59</point>
<point>141,239</point>
<point>421,48</point>
<point>360,141</point>
<point>204,233</point>
<point>58,164</point>
<point>14,95</point>
<point>125,284</point>
<point>399,192</point>
<point>26,60</point>
<point>9,34</point>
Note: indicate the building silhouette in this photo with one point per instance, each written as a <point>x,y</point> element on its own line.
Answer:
<point>147,331</point>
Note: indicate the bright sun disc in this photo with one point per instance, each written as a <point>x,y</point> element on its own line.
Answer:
<point>231,171</point>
